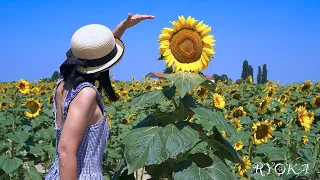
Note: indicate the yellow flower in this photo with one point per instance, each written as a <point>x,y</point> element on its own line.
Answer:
<point>270,91</point>
<point>202,92</point>
<point>50,99</point>
<point>304,139</point>
<point>238,112</point>
<point>40,80</point>
<point>316,101</point>
<point>237,123</point>
<point>305,118</point>
<point>263,106</point>
<point>128,120</point>
<point>4,89</point>
<point>219,101</point>
<point>225,134</point>
<point>23,86</point>
<point>35,90</point>
<point>262,131</point>
<point>243,169</point>
<point>236,96</point>
<point>3,105</point>
<point>299,103</point>
<point>250,79</point>
<point>277,123</point>
<point>238,145</point>
<point>34,108</point>
<point>109,124</point>
<point>187,46</point>
<point>306,86</point>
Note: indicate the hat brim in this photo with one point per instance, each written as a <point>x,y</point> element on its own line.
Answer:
<point>109,64</point>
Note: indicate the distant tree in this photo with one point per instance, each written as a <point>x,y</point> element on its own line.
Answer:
<point>250,71</point>
<point>245,70</point>
<point>264,76</point>
<point>216,77</point>
<point>55,76</point>
<point>259,80</point>
<point>224,78</point>
<point>239,81</point>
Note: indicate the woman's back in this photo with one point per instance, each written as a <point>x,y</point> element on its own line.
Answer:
<point>93,142</point>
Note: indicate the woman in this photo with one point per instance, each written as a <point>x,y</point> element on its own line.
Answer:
<point>80,124</point>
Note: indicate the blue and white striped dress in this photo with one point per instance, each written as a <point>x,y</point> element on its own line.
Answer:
<point>91,148</point>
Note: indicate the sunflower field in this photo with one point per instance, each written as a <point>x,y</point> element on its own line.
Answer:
<point>180,127</point>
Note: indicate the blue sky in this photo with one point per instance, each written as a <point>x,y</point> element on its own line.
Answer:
<point>283,34</point>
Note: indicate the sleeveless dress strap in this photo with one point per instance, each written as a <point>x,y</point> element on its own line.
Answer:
<point>72,93</point>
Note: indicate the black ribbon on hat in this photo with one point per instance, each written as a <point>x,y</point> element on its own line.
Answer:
<point>70,74</point>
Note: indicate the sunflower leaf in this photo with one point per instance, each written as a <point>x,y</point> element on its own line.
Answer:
<point>202,160</point>
<point>188,170</point>
<point>209,85</point>
<point>32,174</point>
<point>251,108</point>
<point>216,119</point>
<point>317,112</point>
<point>185,82</point>
<point>153,145</point>
<point>152,97</point>
<point>9,165</point>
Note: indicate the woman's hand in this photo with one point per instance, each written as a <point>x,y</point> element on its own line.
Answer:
<point>128,23</point>
<point>135,19</point>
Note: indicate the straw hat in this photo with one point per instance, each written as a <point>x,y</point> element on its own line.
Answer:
<point>97,45</point>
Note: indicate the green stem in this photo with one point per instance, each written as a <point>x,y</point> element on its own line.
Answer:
<point>315,154</point>
<point>288,139</point>
<point>186,154</point>
<point>250,153</point>
<point>174,103</point>
<point>181,109</point>
<point>179,157</point>
<point>250,148</point>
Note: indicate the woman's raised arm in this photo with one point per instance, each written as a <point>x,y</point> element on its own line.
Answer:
<point>129,22</point>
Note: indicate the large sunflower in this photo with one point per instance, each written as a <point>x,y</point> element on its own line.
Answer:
<point>34,107</point>
<point>262,131</point>
<point>187,46</point>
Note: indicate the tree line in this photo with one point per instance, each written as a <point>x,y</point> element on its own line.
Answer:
<point>247,70</point>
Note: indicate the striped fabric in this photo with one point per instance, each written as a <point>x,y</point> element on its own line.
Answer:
<point>91,149</point>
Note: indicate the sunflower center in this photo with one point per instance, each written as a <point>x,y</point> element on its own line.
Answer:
<point>186,46</point>
<point>237,113</point>
<point>317,102</point>
<point>262,131</point>
<point>22,86</point>
<point>33,106</point>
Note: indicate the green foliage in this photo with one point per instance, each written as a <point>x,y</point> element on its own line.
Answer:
<point>222,78</point>
<point>245,70</point>
<point>184,82</point>
<point>154,130</point>
<point>259,76</point>
<point>55,76</point>
<point>264,76</point>
<point>250,71</point>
